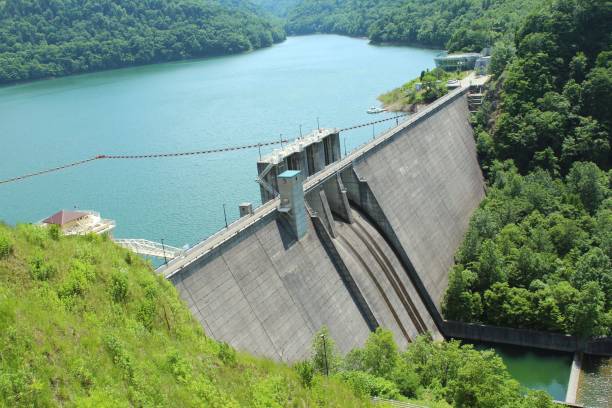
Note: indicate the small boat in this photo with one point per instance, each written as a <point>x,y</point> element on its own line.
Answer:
<point>375,109</point>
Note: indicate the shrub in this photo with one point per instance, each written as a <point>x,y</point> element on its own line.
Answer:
<point>40,269</point>
<point>120,357</point>
<point>33,234</point>
<point>227,354</point>
<point>367,384</point>
<point>406,379</point>
<point>146,313</point>
<point>84,376</point>
<point>271,393</point>
<point>54,232</point>
<point>179,367</point>
<point>6,245</point>
<point>77,281</point>
<point>305,371</point>
<point>211,395</point>
<point>119,286</point>
<point>129,258</point>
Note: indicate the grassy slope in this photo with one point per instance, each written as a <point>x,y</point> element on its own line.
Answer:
<point>86,324</point>
<point>403,97</point>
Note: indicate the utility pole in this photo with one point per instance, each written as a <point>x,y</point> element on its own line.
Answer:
<point>259,147</point>
<point>164,251</point>
<point>325,355</point>
<point>225,215</point>
<point>300,130</point>
<point>373,134</point>
<point>345,146</point>
<point>318,126</point>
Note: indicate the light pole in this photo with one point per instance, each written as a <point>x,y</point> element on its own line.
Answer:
<point>325,355</point>
<point>164,251</point>
<point>318,126</point>
<point>300,130</point>
<point>225,215</point>
<point>345,147</point>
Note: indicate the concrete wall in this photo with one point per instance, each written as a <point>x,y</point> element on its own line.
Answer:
<point>427,183</point>
<point>268,294</point>
<point>527,338</point>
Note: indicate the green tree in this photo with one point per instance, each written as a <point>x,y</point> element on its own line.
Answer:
<point>587,314</point>
<point>482,381</point>
<point>380,353</point>
<point>502,53</point>
<point>460,303</point>
<point>589,183</point>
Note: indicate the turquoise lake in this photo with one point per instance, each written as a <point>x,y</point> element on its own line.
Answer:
<point>183,106</point>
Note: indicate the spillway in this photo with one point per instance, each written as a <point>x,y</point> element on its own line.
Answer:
<point>382,279</point>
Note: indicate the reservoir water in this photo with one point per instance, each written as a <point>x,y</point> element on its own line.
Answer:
<point>184,106</point>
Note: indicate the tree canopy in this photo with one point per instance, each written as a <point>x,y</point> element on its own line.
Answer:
<point>432,373</point>
<point>50,38</point>
<point>538,251</point>
<point>468,25</point>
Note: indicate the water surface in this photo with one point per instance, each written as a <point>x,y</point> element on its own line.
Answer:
<point>536,369</point>
<point>595,384</point>
<point>184,106</point>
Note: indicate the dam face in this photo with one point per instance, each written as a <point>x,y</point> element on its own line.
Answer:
<point>382,226</point>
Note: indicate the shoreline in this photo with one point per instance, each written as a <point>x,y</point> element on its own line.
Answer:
<point>4,85</point>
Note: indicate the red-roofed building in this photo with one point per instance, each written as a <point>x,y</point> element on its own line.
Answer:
<point>80,222</point>
<point>63,217</point>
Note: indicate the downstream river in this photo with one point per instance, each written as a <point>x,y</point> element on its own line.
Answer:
<point>184,106</point>
<point>188,106</point>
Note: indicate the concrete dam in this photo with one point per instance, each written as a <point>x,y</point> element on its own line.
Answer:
<point>352,243</point>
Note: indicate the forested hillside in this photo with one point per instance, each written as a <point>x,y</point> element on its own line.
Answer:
<point>454,24</point>
<point>85,323</point>
<point>50,38</point>
<point>279,8</point>
<point>538,251</point>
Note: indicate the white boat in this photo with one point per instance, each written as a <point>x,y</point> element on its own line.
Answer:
<point>375,109</point>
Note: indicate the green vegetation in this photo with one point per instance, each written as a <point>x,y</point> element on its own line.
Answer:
<point>278,8</point>
<point>87,324</point>
<point>538,251</point>
<point>41,39</point>
<point>433,85</point>
<point>468,25</point>
<point>435,374</point>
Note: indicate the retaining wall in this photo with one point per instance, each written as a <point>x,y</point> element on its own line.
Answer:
<point>527,338</point>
